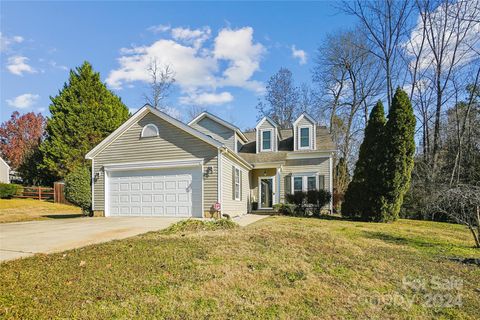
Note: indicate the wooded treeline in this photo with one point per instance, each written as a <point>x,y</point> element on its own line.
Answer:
<point>431,49</point>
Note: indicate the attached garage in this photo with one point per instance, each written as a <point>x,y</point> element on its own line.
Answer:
<point>154,189</point>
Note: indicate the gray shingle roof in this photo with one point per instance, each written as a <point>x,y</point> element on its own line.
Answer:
<point>248,151</point>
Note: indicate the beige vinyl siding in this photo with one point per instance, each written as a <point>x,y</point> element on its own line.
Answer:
<point>302,123</point>
<point>171,144</point>
<point>231,206</point>
<point>267,125</point>
<point>4,172</point>
<point>217,131</point>
<point>320,165</point>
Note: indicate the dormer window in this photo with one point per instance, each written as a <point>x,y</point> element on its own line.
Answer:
<point>304,133</point>
<point>305,138</point>
<point>267,135</point>
<point>150,130</point>
<point>266,140</point>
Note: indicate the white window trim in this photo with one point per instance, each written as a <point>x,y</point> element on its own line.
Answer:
<point>310,129</point>
<point>304,177</point>
<point>151,125</point>
<point>261,140</point>
<point>237,175</point>
<point>274,194</point>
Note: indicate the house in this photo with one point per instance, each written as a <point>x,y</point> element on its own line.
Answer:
<point>4,171</point>
<point>155,165</point>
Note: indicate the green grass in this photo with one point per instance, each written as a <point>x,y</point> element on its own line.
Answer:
<point>279,267</point>
<point>16,210</point>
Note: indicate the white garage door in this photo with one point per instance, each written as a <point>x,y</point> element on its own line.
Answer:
<point>163,192</point>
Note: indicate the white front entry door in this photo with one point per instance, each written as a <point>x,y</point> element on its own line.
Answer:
<point>172,192</point>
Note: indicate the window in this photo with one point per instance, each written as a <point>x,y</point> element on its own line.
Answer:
<point>297,184</point>
<point>304,137</point>
<point>304,182</point>
<point>150,130</point>
<point>237,184</point>
<point>266,140</point>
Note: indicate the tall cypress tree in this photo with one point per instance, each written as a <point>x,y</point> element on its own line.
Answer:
<point>363,192</point>
<point>82,114</point>
<point>399,153</point>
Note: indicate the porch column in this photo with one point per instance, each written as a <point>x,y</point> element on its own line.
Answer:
<point>277,187</point>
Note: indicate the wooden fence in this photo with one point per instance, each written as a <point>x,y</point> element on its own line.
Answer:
<point>57,193</point>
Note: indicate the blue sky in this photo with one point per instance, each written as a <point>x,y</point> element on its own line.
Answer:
<point>222,52</point>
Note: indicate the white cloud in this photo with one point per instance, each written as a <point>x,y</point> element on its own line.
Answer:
<point>201,65</point>
<point>6,42</point>
<point>443,23</point>
<point>18,65</point>
<point>189,36</point>
<point>159,28</point>
<point>54,64</point>
<point>237,47</point>
<point>207,98</point>
<point>299,54</point>
<point>23,101</point>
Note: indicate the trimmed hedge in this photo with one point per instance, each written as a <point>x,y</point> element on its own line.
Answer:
<point>78,188</point>
<point>8,190</point>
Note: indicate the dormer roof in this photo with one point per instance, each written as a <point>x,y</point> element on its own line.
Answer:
<point>304,115</point>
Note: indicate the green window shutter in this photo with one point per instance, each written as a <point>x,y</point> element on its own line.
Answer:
<point>321,182</point>
<point>233,182</point>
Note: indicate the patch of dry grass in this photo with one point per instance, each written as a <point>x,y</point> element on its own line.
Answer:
<point>279,267</point>
<point>15,210</point>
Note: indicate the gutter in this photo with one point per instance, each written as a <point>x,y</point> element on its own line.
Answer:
<point>237,157</point>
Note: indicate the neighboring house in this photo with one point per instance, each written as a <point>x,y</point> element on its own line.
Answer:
<point>155,165</point>
<point>4,171</point>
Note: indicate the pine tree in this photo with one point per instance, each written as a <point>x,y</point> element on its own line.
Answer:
<point>82,114</point>
<point>363,192</point>
<point>399,153</point>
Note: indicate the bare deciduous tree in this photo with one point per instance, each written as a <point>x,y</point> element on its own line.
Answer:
<point>348,76</point>
<point>448,45</point>
<point>385,24</point>
<point>195,110</point>
<point>161,80</point>
<point>462,204</point>
<point>281,102</point>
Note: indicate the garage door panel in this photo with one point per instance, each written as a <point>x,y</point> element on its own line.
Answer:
<point>156,192</point>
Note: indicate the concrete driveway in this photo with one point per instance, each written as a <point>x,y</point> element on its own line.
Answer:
<point>23,239</point>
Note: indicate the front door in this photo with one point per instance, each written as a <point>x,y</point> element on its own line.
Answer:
<point>266,193</point>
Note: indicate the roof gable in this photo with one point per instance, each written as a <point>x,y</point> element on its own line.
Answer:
<point>305,115</point>
<point>266,118</point>
<point>224,123</point>
<point>140,114</point>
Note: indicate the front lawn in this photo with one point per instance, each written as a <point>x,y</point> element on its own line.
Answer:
<point>279,267</point>
<point>15,210</point>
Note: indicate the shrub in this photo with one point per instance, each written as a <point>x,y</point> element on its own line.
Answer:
<point>298,198</point>
<point>284,208</point>
<point>309,203</point>
<point>195,225</point>
<point>317,199</point>
<point>78,189</point>
<point>8,190</point>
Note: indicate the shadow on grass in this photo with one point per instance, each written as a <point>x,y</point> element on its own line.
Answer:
<point>63,216</point>
<point>412,242</point>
